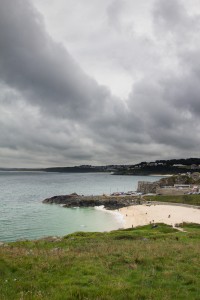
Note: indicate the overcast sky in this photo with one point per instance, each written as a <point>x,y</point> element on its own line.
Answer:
<point>98,81</point>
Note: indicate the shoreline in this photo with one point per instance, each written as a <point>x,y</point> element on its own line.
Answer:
<point>115,213</point>
<point>134,210</point>
<point>139,215</point>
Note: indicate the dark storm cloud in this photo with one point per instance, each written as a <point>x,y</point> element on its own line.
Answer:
<point>169,102</point>
<point>41,69</point>
<point>52,113</point>
<point>181,90</point>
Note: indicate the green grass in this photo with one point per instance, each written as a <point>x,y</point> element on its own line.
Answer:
<point>185,199</point>
<point>139,263</point>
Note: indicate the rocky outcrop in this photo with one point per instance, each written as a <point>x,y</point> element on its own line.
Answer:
<point>109,202</point>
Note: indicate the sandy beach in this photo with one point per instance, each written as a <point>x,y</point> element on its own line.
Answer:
<point>158,213</point>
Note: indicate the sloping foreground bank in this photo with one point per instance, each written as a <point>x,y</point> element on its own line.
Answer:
<point>142,263</point>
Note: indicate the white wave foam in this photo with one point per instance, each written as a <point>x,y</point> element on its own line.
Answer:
<point>116,214</point>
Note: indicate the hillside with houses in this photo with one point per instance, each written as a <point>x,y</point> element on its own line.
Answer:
<point>180,184</point>
<point>163,167</point>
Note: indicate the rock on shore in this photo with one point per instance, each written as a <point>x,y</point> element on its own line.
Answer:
<point>109,202</point>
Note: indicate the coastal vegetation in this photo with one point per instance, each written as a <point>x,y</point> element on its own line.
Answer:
<point>181,199</point>
<point>148,262</point>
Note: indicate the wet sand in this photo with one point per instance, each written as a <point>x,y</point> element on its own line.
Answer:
<point>158,213</point>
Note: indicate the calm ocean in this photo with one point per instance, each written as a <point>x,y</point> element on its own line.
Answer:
<point>23,216</point>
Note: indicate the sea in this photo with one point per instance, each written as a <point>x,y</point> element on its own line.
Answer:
<point>24,216</point>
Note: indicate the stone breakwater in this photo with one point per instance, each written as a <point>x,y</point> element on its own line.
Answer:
<point>109,202</point>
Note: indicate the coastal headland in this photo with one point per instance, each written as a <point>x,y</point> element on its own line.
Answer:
<point>109,202</point>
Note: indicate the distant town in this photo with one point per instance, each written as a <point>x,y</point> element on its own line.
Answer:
<point>158,167</point>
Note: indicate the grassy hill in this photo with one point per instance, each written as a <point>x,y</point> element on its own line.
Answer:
<point>141,263</point>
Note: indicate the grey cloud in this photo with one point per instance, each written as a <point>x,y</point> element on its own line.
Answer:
<point>169,109</point>
<point>24,130</point>
<point>41,69</point>
<point>169,101</point>
<point>169,14</point>
<point>173,18</point>
<point>114,11</point>
<point>52,113</point>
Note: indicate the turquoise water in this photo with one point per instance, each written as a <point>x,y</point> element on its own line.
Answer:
<point>24,216</point>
